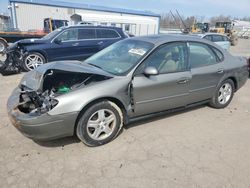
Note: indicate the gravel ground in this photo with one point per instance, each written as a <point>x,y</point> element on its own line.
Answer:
<point>200,147</point>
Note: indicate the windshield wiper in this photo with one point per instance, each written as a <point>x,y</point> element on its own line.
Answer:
<point>95,66</point>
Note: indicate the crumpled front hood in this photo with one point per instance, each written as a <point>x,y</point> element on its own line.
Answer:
<point>33,79</point>
<point>32,41</point>
<point>25,42</point>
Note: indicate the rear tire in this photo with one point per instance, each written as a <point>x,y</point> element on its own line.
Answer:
<point>223,95</point>
<point>99,124</point>
<point>33,60</point>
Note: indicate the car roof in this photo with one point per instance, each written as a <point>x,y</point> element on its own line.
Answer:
<point>91,26</point>
<point>206,34</point>
<point>164,38</point>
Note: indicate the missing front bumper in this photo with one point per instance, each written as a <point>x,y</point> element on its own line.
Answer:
<point>42,127</point>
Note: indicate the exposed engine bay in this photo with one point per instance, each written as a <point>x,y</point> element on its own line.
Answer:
<point>14,59</point>
<point>54,83</point>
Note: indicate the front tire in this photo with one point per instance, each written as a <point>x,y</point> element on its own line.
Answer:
<point>33,60</point>
<point>223,95</point>
<point>3,46</point>
<point>99,124</point>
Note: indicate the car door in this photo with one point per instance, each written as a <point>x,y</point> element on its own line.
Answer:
<point>206,69</point>
<point>64,46</point>
<point>168,89</point>
<point>88,43</point>
<point>106,37</point>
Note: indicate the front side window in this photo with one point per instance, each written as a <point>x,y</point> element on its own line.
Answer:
<point>201,55</point>
<point>168,58</point>
<point>208,37</point>
<point>86,34</point>
<point>106,33</point>
<point>68,35</point>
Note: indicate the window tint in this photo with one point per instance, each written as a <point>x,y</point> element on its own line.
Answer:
<point>70,34</point>
<point>201,55</point>
<point>168,58</point>
<point>208,37</point>
<point>106,33</point>
<point>86,34</point>
<point>217,38</point>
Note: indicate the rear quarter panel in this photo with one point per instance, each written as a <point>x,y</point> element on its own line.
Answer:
<point>235,68</point>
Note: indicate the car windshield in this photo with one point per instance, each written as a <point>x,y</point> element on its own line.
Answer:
<point>52,34</point>
<point>121,57</point>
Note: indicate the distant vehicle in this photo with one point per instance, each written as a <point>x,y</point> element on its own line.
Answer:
<point>222,40</point>
<point>67,43</point>
<point>200,27</point>
<point>227,29</point>
<point>133,78</point>
<point>14,35</point>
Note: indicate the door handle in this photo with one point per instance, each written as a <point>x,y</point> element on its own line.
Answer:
<point>75,44</point>
<point>183,81</point>
<point>100,43</point>
<point>220,71</point>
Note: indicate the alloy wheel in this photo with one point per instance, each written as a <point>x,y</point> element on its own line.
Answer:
<point>225,93</point>
<point>101,124</point>
<point>33,61</point>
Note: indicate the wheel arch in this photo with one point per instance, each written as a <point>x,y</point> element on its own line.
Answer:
<point>234,81</point>
<point>5,41</point>
<point>116,101</point>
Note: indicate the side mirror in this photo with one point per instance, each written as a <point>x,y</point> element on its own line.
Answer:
<point>57,41</point>
<point>151,71</point>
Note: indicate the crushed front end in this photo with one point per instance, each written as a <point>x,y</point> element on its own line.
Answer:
<point>14,59</point>
<point>30,103</point>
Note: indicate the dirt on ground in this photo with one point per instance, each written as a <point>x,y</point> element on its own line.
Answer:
<point>199,147</point>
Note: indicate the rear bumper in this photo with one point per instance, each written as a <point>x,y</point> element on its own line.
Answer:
<point>43,127</point>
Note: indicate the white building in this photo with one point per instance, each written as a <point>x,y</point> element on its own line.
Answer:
<point>29,15</point>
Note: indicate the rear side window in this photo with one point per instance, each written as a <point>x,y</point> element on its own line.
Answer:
<point>201,55</point>
<point>219,54</point>
<point>106,33</point>
<point>86,34</point>
<point>217,38</point>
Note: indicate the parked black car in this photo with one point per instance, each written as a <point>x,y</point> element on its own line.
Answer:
<point>66,43</point>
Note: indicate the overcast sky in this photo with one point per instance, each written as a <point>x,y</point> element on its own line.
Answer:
<point>207,8</point>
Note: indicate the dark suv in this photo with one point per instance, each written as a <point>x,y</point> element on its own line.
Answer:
<point>66,43</point>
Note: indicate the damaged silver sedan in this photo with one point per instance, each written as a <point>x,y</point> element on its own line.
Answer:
<point>131,79</point>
